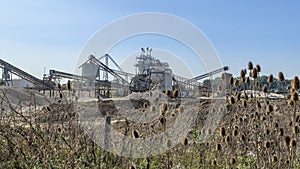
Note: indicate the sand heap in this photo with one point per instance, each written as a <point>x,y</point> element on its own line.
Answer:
<point>20,98</point>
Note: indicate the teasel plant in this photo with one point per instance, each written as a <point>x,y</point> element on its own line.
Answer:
<point>243,79</point>
<point>254,76</point>
<point>265,91</point>
<point>237,85</point>
<point>247,82</point>
<point>258,68</point>
<point>250,68</point>
<point>281,80</point>
<point>230,81</point>
<point>293,102</point>
<point>270,81</point>
<point>294,96</point>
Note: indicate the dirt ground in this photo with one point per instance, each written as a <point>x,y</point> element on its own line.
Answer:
<point>148,113</point>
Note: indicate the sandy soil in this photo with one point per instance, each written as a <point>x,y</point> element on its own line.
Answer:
<point>142,111</point>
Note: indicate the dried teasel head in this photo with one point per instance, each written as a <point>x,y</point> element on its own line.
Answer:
<point>243,79</point>
<point>163,120</point>
<point>168,92</point>
<point>242,137</point>
<point>231,100</point>
<point>280,77</point>
<point>131,167</point>
<point>176,93</point>
<point>267,144</point>
<point>243,74</point>
<point>265,89</point>
<point>244,103</point>
<point>222,132</point>
<point>214,162</point>
<point>251,96</point>
<point>185,141</point>
<point>238,96</point>
<point>296,83</point>
<point>269,108</point>
<point>247,81</point>
<point>59,86</point>
<point>296,130</point>
<point>219,147</point>
<point>245,71</point>
<point>281,132</point>
<point>258,68</point>
<point>250,65</point>
<point>135,134</point>
<point>230,80</point>
<point>287,141</point>
<point>145,105</point>
<point>236,83</point>
<point>254,73</point>
<point>290,123</point>
<point>69,85</point>
<point>235,132</point>
<point>270,79</point>
<point>227,140</point>
<point>276,125</point>
<point>232,161</point>
<point>274,159</point>
<point>293,143</point>
<point>257,84</point>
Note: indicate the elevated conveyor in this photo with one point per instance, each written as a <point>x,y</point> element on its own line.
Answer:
<point>24,75</point>
<point>54,74</point>
<point>195,79</point>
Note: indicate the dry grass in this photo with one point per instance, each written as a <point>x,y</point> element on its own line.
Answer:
<point>253,133</point>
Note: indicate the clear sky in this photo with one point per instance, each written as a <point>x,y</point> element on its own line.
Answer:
<point>50,34</point>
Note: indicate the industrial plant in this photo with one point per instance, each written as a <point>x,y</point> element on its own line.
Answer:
<point>96,75</point>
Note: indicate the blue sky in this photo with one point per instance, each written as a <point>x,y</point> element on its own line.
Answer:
<point>36,34</point>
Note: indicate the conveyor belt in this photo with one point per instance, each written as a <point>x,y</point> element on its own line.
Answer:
<point>226,68</point>
<point>24,75</point>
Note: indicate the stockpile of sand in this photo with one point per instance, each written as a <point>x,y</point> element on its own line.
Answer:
<point>20,98</point>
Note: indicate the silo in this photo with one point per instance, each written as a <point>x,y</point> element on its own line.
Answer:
<point>90,70</point>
